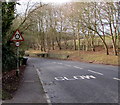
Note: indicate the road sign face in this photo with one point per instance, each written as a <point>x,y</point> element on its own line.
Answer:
<point>17,44</point>
<point>17,36</point>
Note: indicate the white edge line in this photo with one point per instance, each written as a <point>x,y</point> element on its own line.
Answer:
<point>117,79</point>
<point>46,95</point>
<point>95,72</point>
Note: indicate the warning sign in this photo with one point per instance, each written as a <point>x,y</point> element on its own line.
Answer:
<point>17,36</point>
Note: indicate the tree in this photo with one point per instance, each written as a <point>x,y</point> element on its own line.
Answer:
<point>94,25</point>
<point>85,22</point>
<point>8,54</point>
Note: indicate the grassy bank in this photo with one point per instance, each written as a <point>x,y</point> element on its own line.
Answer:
<point>91,57</point>
<point>84,56</point>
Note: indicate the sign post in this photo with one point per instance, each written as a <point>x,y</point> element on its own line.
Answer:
<point>17,37</point>
<point>17,71</point>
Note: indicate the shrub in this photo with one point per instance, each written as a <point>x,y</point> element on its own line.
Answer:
<point>8,59</point>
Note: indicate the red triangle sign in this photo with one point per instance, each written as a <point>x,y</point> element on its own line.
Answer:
<point>17,36</point>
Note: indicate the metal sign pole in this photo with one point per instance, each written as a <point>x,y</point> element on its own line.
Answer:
<point>17,37</point>
<point>17,71</point>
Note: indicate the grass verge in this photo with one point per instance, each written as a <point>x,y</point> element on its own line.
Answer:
<point>98,57</point>
<point>91,57</point>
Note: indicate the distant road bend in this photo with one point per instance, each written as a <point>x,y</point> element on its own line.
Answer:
<point>77,82</point>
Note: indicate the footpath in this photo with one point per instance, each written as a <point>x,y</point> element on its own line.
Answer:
<point>30,90</point>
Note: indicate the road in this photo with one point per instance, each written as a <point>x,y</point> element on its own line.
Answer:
<point>77,82</point>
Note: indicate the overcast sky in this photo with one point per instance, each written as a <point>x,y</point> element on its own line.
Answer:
<point>21,8</point>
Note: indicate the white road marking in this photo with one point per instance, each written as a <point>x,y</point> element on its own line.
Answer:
<point>75,78</point>
<point>69,79</point>
<point>48,100</point>
<point>68,65</point>
<point>80,68</point>
<point>59,78</point>
<point>60,63</point>
<point>117,79</point>
<point>46,95</point>
<point>77,67</point>
<point>95,72</point>
<point>85,77</point>
<point>54,62</point>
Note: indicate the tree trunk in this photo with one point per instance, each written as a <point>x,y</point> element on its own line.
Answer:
<point>93,47</point>
<point>114,48</point>
<point>87,45</point>
<point>53,45</point>
<point>92,43</point>
<point>113,41</point>
<point>58,42</point>
<point>105,45</point>
<point>79,44</point>
<point>75,47</point>
<point>65,42</point>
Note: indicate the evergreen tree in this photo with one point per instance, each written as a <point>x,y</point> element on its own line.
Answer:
<point>8,56</point>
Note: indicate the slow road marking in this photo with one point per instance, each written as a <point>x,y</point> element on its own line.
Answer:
<point>95,72</point>
<point>82,77</point>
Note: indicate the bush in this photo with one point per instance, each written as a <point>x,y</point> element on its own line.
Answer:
<point>8,59</point>
<point>22,52</point>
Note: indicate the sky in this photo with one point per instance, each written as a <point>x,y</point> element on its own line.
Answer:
<point>21,8</point>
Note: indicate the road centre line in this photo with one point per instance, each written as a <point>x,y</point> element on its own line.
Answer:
<point>95,72</point>
<point>68,65</point>
<point>77,67</point>
<point>60,63</point>
<point>117,79</point>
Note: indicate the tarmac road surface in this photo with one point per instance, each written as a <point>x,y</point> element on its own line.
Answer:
<point>77,82</point>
